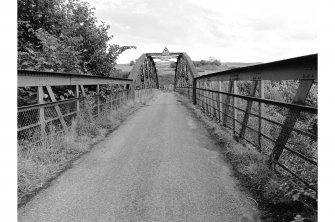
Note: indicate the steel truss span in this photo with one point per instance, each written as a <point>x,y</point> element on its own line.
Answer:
<point>144,73</point>
<point>185,71</point>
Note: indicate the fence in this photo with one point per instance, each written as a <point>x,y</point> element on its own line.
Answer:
<point>51,115</point>
<point>286,132</point>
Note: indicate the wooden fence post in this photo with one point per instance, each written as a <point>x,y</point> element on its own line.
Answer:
<point>291,119</point>
<point>248,109</point>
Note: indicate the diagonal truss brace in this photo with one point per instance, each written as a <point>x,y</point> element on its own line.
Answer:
<point>291,119</point>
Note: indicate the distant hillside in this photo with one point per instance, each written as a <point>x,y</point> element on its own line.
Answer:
<point>240,64</point>
<point>202,69</point>
<point>166,79</point>
<point>207,69</point>
<point>124,67</point>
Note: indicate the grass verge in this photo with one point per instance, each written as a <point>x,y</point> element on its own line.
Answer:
<point>39,164</point>
<point>278,198</point>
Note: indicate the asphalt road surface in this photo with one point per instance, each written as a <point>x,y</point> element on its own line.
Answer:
<point>159,165</point>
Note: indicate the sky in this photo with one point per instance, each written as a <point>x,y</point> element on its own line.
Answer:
<point>231,31</point>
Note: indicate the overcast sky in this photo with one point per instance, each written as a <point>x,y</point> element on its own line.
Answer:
<point>231,31</point>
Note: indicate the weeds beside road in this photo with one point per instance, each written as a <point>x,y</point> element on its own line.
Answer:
<point>279,198</point>
<point>38,165</point>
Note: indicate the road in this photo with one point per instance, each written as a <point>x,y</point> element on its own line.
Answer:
<point>159,165</point>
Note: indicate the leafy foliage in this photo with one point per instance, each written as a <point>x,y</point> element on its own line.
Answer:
<point>64,35</point>
<point>173,65</point>
<point>205,62</point>
<point>166,80</point>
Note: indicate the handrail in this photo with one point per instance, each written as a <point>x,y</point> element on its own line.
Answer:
<point>310,109</point>
<point>303,67</point>
<point>42,78</point>
<point>43,73</point>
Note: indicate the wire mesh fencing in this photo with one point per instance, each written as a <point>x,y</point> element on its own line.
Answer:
<point>35,123</point>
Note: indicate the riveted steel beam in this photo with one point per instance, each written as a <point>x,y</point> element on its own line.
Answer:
<point>36,78</point>
<point>299,68</point>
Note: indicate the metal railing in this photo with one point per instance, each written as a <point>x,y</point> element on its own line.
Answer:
<point>278,129</point>
<point>50,115</point>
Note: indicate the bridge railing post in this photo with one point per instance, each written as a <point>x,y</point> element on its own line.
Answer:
<point>235,91</point>
<point>98,99</point>
<point>215,100</point>
<point>227,103</point>
<point>212,100</point>
<point>40,100</point>
<point>194,91</point>
<point>201,92</point>
<point>248,109</point>
<point>77,96</point>
<point>207,97</point>
<point>218,102</point>
<point>260,113</point>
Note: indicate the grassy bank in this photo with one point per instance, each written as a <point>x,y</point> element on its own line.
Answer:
<point>39,164</point>
<point>278,198</point>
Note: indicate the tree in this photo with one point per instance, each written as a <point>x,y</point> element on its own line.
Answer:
<point>216,62</point>
<point>64,35</point>
<point>132,63</point>
<point>173,65</point>
<point>203,62</point>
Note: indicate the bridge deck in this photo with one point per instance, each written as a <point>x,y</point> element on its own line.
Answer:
<point>160,165</point>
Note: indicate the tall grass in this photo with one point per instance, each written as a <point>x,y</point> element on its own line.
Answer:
<point>39,163</point>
